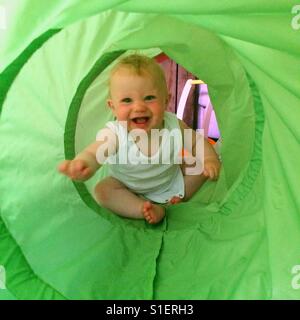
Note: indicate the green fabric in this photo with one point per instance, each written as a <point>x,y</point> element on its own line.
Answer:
<point>9,74</point>
<point>21,282</point>
<point>229,241</point>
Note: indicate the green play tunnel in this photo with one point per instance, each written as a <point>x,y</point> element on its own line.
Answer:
<point>238,238</point>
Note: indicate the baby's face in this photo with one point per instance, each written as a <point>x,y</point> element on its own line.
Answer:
<point>138,100</point>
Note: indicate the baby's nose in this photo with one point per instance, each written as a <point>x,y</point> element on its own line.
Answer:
<point>140,106</point>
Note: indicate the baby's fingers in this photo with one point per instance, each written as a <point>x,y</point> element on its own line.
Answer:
<point>211,173</point>
<point>216,171</point>
<point>64,166</point>
<point>215,174</point>
<point>85,174</point>
<point>79,170</point>
<point>72,169</point>
<point>81,173</point>
<point>75,169</point>
<point>78,166</point>
<point>206,173</point>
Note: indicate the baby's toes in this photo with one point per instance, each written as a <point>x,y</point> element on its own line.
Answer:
<point>175,200</point>
<point>151,220</point>
<point>147,206</point>
<point>148,218</point>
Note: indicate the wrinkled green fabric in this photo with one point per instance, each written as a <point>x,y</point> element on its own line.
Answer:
<point>236,239</point>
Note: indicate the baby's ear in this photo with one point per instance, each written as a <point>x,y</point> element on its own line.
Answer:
<point>110,104</point>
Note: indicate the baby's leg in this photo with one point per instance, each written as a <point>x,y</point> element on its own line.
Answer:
<point>191,185</point>
<point>114,195</point>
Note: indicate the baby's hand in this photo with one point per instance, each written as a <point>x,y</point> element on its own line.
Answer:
<point>75,169</point>
<point>212,168</point>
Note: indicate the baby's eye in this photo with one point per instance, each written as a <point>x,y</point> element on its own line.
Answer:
<point>126,100</point>
<point>149,98</point>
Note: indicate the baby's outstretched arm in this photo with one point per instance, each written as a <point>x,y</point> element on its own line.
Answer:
<point>87,162</point>
<point>83,166</point>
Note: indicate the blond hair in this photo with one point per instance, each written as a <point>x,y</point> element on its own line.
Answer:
<point>142,66</point>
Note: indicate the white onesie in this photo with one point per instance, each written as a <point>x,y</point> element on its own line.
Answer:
<point>152,178</point>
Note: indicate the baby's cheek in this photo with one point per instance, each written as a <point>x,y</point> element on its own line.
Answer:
<point>122,115</point>
<point>158,109</point>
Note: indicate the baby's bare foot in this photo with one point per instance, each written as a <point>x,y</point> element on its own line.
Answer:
<point>175,200</point>
<point>153,213</point>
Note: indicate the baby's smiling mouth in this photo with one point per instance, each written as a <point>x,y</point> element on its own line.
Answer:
<point>140,120</point>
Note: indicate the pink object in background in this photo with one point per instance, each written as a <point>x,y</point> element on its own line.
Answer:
<point>206,113</point>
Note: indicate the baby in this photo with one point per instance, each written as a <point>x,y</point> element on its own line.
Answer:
<point>138,98</point>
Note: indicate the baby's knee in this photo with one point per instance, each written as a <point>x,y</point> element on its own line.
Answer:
<point>102,193</point>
